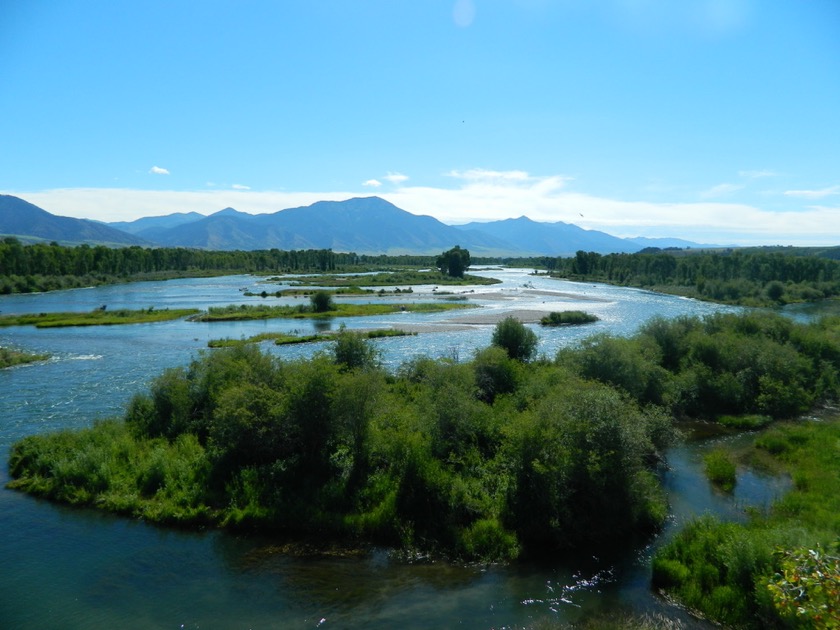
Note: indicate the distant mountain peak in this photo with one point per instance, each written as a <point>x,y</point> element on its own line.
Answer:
<point>230,212</point>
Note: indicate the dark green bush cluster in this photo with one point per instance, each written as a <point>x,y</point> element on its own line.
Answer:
<point>565,318</point>
<point>750,276</point>
<point>751,366</point>
<point>487,459</point>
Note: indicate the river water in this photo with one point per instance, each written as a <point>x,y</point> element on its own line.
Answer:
<point>74,568</point>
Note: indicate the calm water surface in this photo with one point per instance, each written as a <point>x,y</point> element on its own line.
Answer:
<point>73,568</point>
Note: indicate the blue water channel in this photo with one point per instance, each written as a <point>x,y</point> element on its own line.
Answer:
<point>73,568</point>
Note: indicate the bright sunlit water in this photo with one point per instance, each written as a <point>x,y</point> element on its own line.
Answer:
<point>70,568</point>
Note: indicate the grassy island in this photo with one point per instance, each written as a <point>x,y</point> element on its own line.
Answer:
<point>495,458</point>
<point>96,318</point>
<point>282,339</point>
<point>388,279</point>
<point>304,311</point>
<point>9,357</point>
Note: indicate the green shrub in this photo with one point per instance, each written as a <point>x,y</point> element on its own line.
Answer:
<point>519,342</point>
<point>720,469</point>
<point>563,318</point>
<point>322,301</point>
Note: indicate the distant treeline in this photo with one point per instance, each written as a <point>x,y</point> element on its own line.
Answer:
<point>43,267</point>
<point>749,277</point>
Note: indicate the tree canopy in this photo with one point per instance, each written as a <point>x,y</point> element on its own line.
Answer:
<point>454,262</point>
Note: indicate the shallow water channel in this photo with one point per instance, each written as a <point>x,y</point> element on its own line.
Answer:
<point>74,568</point>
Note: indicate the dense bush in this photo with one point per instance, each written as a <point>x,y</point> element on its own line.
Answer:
<point>515,338</point>
<point>491,458</point>
<point>753,365</point>
<point>487,459</point>
<point>566,318</point>
<point>751,277</point>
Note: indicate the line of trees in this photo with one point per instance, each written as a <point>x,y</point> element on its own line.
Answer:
<point>738,276</point>
<point>39,267</point>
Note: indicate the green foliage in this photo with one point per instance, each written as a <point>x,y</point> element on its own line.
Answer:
<point>439,456</point>
<point>352,350</point>
<point>484,459</point>
<point>99,317</point>
<point>495,373</point>
<point>242,312</point>
<point>564,318</point>
<point>720,469</point>
<point>454,262</point>
<point>515,338</point>
<point>806,590</point>
<point>751,277</point>
<point>771,571</point>
<point>10,357</point>
<point>629,364</point>
<point>322,302</point>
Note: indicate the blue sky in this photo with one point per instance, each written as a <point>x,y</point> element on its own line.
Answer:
<point>712,120</point>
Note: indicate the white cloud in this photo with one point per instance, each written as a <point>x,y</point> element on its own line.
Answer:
<point>482,195</point>
<point>396,178</point>
<point>484,175</point>
<point>240,187</point>
<point>721,190</point>
<point>814,194</point>
<point>373,183</point>
<point>463,13</point>
<point>157,170</point>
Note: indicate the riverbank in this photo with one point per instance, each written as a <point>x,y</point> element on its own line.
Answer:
<point>782,566</point>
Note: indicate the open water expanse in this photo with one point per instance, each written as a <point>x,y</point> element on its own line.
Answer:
<point>72,568</point>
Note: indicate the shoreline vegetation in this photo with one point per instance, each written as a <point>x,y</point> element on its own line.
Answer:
<point>782,567</point>
<point>496,458</point>
<point>282,339</point>
<point>99,317</point>
<point>745,277</point>
<point>9,357</point>
<point>385,279</point>
<point>235,312</point>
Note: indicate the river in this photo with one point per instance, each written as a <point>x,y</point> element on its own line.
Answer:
<point>75,568</point>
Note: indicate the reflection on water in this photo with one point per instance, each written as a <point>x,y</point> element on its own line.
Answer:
<point>74,568</point>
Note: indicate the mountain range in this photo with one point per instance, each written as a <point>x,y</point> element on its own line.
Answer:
<point>366,225</point>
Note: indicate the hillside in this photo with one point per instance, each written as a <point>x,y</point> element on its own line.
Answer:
<point>20,218</point>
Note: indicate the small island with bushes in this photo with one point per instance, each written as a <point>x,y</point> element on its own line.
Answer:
<point>10,357</point>
<point>568,318</point>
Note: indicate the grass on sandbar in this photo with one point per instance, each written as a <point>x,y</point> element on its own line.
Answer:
<point>302,311</point>
<point>96,318</point>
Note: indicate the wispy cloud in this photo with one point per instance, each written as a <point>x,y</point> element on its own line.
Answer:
<point>485,175</point>
<point>396,178</point>
<point>721,190</point>
<point>372,183</point>
<point>240,187</point>
<point>760,174</point>
<point>158,170</point>
<point>814,194</point>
